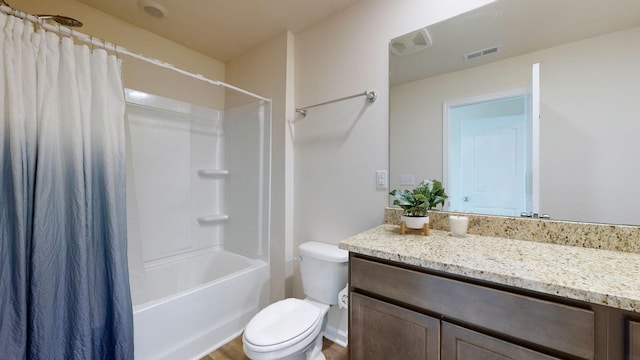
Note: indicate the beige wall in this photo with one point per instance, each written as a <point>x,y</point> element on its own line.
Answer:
<point>137,74</point>
<point>589,127</point>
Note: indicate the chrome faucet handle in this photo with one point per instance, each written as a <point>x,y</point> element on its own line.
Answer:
<point>535,215</point>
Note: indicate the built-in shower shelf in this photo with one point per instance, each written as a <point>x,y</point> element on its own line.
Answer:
<point>213,218</point>
<point>212,172</point>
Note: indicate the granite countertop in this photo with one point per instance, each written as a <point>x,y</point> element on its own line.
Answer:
<point>604,277</point>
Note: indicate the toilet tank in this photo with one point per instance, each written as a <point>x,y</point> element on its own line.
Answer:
<point>324,270</point>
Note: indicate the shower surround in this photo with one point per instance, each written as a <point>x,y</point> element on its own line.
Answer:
<point>197,253</point>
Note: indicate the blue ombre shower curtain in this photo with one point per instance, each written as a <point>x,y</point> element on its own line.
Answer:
<point>64,288</point>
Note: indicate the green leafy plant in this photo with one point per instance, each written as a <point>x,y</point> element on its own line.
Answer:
<point>427,195</point>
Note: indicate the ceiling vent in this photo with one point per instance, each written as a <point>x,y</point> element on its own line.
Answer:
<point>411,42</point>
<point>481,53</point>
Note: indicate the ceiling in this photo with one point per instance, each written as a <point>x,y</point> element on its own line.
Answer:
<point>222,29</point>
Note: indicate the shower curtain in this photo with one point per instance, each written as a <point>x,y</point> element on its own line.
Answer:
<point>64,288</point>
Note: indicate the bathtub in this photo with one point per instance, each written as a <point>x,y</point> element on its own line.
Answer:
<point>185,307</point>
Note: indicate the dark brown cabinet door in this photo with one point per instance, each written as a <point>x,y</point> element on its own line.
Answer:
<point>383,331</point>
<point>463,344</point>
<point>634,340</point>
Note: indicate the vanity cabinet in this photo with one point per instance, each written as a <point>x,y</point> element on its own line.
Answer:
<point>399,311</point>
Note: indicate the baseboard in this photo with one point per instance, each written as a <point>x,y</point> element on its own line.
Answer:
<point>337,336</point>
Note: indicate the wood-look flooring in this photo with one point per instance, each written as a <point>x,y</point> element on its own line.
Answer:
<point>233,351</point>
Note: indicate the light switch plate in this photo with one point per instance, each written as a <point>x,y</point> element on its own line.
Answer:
<point>381,179</point>
<point>407,180</point>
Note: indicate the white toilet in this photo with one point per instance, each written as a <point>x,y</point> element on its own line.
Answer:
<point>292,329</point>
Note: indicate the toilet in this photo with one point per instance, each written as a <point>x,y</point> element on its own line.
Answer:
<point>292,329</point>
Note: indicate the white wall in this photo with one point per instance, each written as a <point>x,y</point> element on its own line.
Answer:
<point>588,123</point>
<point>338,147</point>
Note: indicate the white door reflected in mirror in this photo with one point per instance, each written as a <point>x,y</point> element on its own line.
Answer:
<point>490,151</point>
<point>487,157</point>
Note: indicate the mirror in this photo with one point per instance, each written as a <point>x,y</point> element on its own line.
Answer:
<point>589,137</point>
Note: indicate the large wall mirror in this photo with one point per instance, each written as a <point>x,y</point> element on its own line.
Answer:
<point>589,86</point>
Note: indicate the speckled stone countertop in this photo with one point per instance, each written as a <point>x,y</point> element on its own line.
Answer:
<point>597,236</point>
<point>604,277</point>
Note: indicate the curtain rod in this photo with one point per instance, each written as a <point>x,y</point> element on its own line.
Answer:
<point>58,29</point>
<point>371,97</point>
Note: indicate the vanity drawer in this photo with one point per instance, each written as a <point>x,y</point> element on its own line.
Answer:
<point>564,328</point>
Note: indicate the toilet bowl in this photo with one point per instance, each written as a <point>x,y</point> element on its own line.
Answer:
<point>291,329</point>
<point>287,329</point>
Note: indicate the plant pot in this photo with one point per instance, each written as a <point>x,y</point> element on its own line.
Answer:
<point>414,222</point>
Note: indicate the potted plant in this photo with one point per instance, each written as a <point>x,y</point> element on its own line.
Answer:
<point>427,195</point>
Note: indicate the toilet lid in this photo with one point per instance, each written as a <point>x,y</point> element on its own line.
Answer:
<point>281,322</point>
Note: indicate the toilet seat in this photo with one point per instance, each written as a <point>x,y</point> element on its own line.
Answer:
<point>285,324</point>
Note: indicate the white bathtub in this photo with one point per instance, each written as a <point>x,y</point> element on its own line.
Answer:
<point>187,307</point>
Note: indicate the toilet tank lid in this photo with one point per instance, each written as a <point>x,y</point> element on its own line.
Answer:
<point>323,251</point>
